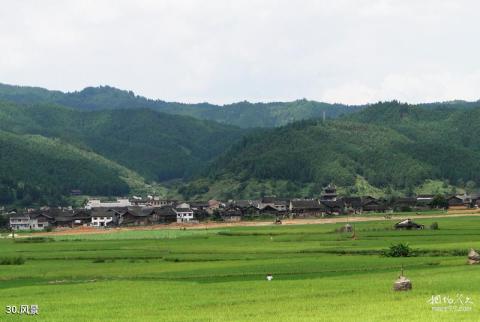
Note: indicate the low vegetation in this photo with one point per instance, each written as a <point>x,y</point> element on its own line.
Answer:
<point>399,250</point>
<point>12,260</point>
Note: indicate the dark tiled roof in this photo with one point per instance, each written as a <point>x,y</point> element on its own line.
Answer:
<point>183,210</point>
<point>306,204</point>
<point>243,203</point>
<point>333,204</point>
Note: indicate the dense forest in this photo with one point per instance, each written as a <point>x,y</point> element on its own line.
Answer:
<point>159,146</point>
<point>104,141</point>
<point>390,145</point>
<point>34,169</point>
<point>50,150</point>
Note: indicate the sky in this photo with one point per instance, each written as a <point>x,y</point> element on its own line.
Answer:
<point>224,51</point>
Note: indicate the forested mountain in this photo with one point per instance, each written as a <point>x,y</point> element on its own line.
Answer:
<point>159,146</point>
<point>109,138</point>
<point>391,145</point>
<point>242,114</point>
<point>52,149</point>
<point>34,169</point>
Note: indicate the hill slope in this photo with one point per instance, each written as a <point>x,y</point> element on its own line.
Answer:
<point>34,169</point>
<point>390,145</point>
<point>159,146</point>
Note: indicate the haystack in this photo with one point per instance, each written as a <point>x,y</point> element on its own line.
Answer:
<point>473,257</point>
<point>402,284</point>
<point>348,228</point>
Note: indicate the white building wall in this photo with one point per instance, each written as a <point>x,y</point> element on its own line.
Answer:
<point>96,203</point>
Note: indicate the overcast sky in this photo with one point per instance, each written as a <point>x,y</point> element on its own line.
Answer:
<point>221,51</point>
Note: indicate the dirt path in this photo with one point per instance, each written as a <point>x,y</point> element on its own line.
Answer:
<point>213,225</point>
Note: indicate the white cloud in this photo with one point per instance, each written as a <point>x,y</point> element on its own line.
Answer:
<point>221,51</point>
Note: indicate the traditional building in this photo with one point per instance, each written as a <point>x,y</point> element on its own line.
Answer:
<point>163,215</point>
<point>329,194</point>
<point>306,207</point>
<point>30,221</point>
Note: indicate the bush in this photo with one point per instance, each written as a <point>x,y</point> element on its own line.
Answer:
<point>12,260</point>
<point>399,250</point>
<point>434,226</point>
<point>99,260</point>
<point>34,240</point>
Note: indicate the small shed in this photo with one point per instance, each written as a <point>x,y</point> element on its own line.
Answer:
<point>408,224</point>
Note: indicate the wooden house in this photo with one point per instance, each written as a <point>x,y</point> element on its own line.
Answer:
<point>163,215</point>
<point>306,208</point>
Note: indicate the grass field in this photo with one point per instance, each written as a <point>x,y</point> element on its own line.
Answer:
<point>219,274</point>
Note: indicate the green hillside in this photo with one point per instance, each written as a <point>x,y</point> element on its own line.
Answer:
<point>158,146</point>
<point>383,149</point>
<point>390,146</point>
<point>34,169</point>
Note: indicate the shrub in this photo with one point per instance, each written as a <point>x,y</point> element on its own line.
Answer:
<point>34,240</point>
<point>399,250</point>
<point>99,260</point>
<point>434,226</point>
<point>12,260</point>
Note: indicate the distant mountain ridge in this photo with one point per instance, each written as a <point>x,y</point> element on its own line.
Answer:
<point>242,114</point>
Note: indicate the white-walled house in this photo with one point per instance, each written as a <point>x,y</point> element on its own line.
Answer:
<point>30,222</point>
<point>97,203</point>
<point>103,218</point>
<point>183,214</point>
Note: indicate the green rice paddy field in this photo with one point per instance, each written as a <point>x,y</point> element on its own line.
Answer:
<point>219,275</point>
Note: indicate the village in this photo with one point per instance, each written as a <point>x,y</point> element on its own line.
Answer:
<point>137,211</point>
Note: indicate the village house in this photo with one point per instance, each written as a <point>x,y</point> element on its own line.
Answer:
<point>30,221</point>
<point>184,213</point>
<point>213,205</point>
<point>353,205</point>
<point>77,218</point>
<point>104,217</point>
<point>370,204</point>
<point>271,210</point>
<point>199,205</point>
<point>456,203</point>
<point>135,216</point>
<point>405,204</point>
<point>232,213</point>
<point>163,215</point>
<point>279,204</point>
<point>247,207</point>
<point>97,203</point>
<point>306,208</point>
<point>150,201</point>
